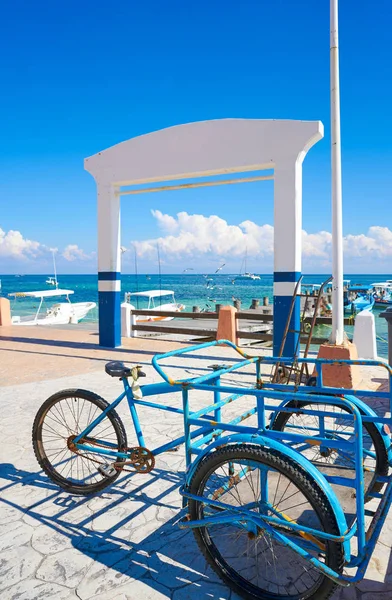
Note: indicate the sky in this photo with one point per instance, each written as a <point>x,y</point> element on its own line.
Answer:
<point>78,77</point>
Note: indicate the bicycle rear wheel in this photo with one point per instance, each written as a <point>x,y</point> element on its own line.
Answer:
<point>253,563</point>
<point>375,456</point>
<point>63,416</point>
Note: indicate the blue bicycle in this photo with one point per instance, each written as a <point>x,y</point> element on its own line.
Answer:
<point>260,498</point>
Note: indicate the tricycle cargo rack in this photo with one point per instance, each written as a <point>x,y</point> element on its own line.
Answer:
<point>286,497</point>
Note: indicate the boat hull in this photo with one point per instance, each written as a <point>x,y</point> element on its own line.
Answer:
<point>170,307</point>
<point>383,302</point>
<point>62,313</point>
<point>358,306</point>
<point>247,277</point>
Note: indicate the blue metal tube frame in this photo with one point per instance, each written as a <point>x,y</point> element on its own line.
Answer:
<point>187,428</point>
<point>210,428</point>
<point>217,401</point>
<point>217,432</point>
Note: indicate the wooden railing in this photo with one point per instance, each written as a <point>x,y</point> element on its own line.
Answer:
<point>158,326</point>
<point>249,315</point>
<point>263,336</point>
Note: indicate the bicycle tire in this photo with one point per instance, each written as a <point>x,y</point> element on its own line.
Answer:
<point>65,483</point>
<point>308,487</point>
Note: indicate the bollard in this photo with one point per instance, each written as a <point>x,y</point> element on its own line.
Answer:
<point>126,312</point>
<point>196,309</point>
<point>5,312</point>
<point>255,303</point>
<point>265,301</point>
<point>133,323</point>
<point>227,324</point>
<point>387,315</point>
<point>237,304</point>
<point>218,307</point>
<point>365,335</point>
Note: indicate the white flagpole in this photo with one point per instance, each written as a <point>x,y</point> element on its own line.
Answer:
<point>337,336</point>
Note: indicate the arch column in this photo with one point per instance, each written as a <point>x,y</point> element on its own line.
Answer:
<point>109,266</point>
<point>287,250</point>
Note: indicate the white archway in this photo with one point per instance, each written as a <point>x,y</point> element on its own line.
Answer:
<point>203,149</point>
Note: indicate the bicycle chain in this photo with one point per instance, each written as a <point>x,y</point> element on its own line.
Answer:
<point>141,464</point>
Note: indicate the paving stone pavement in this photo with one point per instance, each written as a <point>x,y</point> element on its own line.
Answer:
<point>124,543</point>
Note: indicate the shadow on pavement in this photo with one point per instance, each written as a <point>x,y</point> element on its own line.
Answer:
<point>110,528</point>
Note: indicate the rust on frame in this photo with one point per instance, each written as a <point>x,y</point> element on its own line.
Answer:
<point>313,442</point>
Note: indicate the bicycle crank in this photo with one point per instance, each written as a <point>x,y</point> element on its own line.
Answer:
<point>140,458</point>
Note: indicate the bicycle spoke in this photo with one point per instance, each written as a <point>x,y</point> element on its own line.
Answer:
<point>259,559</point>
<point>64,420</point>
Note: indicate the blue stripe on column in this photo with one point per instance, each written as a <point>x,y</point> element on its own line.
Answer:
<point>109,275</point>
<point>286,275</point>
<point>281,311</point>
<point>109,319</point>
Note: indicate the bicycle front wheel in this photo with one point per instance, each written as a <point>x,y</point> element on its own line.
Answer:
<point>252,561</point>
<point>62,417</point>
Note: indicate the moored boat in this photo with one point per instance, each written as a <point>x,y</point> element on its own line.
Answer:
<point>248,276</point>
<point>245,275</point>
<point>358,298</point>
<point>151,296</point>
<point>382,293</point>
<point>61,313</point>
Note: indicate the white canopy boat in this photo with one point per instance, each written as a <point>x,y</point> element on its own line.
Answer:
<point>61,313</point>
<point>382,292</point>
<point>151,296</point>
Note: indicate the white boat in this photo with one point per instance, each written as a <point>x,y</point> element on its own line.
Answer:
<point>151,296</point>
<point>61,313</point>
<point>382,292</point>
<point>53,280</point>
<point>246,275</point>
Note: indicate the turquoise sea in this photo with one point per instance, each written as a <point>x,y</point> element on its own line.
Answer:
<point>190,289</point>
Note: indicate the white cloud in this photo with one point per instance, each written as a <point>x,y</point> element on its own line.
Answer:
<point>14,245</point>
<point>166,222</point>
<point>197,235</point>
<point>72,253</point>
<point>376,244</point>
<point>317,245</point>
<point>211,238</point>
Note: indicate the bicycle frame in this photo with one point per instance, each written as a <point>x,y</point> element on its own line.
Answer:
<point>210,429</point>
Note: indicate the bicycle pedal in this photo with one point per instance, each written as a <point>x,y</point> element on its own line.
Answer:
<point>107,470</point>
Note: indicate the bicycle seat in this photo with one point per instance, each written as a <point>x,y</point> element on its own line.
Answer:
<point>116,368</point>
